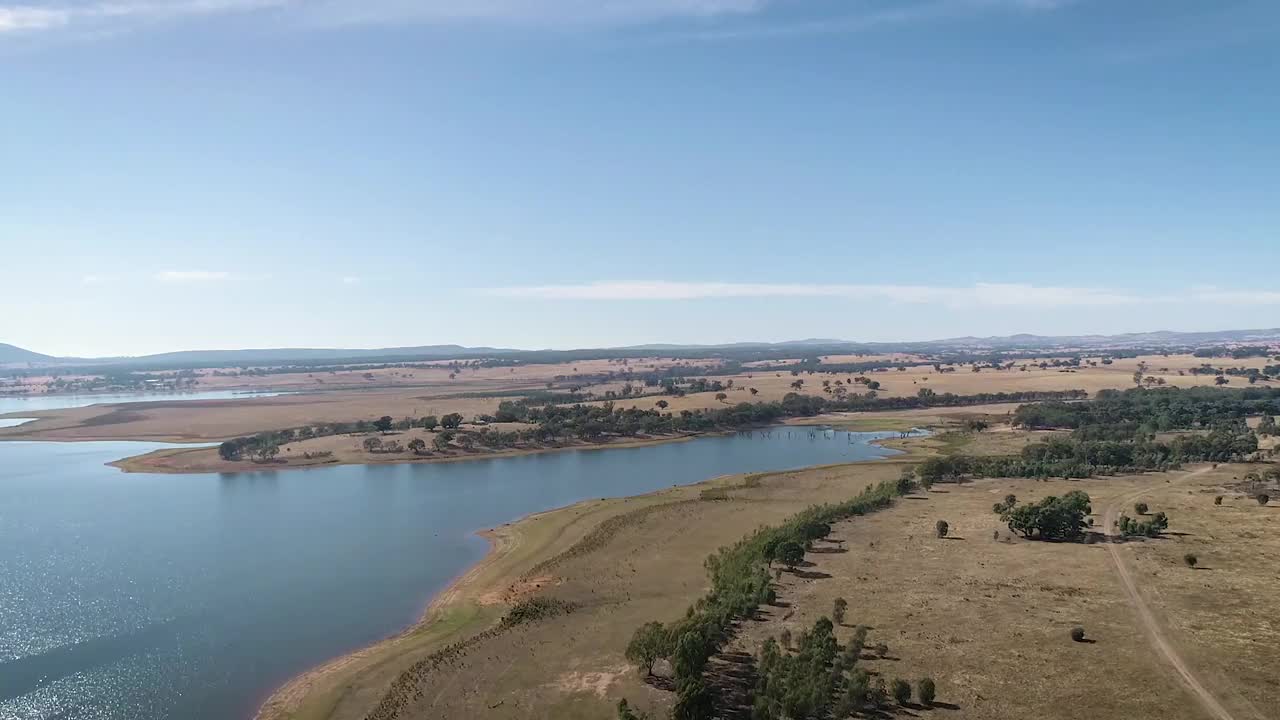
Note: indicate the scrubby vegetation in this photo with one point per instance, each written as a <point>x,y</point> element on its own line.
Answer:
<point>740,583</point>
<point>1115,433</point>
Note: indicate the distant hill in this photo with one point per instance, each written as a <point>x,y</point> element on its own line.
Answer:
<point>11,354</point>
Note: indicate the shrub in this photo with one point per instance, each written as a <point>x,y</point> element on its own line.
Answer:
<point>838,609</point>
<point>942,527</point>
<point>1217,500</point>
<point>1140,508</point>
<point>1077,633</point>
<point>1190,559</point>
<point>1263,498</point>
<point>926,691</point>
<point>790,553</point>
<point>901,691</point>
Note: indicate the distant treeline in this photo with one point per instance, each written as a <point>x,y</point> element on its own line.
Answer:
<point>1115,433</point>
<point>594,423</point>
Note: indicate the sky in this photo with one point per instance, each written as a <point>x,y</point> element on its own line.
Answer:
<point>201,174</point>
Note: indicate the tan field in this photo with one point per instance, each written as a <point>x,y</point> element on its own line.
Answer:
<point>986,617</point>
<point>402,393</point>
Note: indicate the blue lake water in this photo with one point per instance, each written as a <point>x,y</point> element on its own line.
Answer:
<point>27,403</point>
<point>149,597</point>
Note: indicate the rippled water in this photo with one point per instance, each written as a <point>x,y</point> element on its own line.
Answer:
<point>149,597</point>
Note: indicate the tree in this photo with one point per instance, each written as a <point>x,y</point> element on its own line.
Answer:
<point>838,609</point>
<point>383,424</point>
<point>942,527</point>
<point>1263,498</point>
<point>1140,508</point>
<point>926,691</point>
<point>650,642</point>
<point>789,553</point>
<point>442,439</point>
<point>372,444</point>
<point>229,450</point>
<point>693,701</point>
<point>1217,500</point>
<point>626,713</point>
<point>662,404</point>
<point>452,421</point>
<point>1190,559</point>
<point>417,445</point>
<point>430,422</point>
<point>1077,633</point>
<point>901,691</point>
<point>720,397</point>
<point>1220,380</point>
<point>753,391</point>
<point>690,655</point>
<point>267,453</point>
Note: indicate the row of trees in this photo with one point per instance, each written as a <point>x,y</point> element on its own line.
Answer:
<point>740,584</point>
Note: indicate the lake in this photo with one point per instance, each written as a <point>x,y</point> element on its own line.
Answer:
<point>149,597</point>
<point>27,403</point>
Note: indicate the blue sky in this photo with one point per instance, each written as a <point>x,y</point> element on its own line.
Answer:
<point>564,173</point>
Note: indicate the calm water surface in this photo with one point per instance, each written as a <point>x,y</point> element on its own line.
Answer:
<point>128,596</point>
<point>13,404</point>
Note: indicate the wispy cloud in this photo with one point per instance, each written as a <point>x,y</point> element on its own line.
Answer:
<point>33,16</point>
<point>28,17</point>
<point>350,280</point>
<point>192,276</point>
<point>984,294</point>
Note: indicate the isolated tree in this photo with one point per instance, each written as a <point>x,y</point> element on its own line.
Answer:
<point>720,397</point>
<point>754,391</point>
<point>1263,498</point>
<point>1140,508</point>
<point>662,404</point>
<point>942,527</point>
<point>372,444</point>
<point>648,644</point>
<point>901,691</point>
<point>1077,633</point>
<point>417,445</point>
<point>789,553</point>
<point>838,609</point>
<point>1220,380</point>
<point>926,691</point>
<point>1190,559</point>
<point>383,424</point>
<point>452,421</point>
<point>1217,500</point>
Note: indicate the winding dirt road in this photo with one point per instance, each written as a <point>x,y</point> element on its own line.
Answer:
<point>1155,632</point>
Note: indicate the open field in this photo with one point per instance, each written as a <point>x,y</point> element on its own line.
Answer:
<point>402,392</point>
<point>987,618</point>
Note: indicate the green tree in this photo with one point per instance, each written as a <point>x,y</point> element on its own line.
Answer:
<point>693,701</point>
<point>942,527</point>
<point>430,422</point>
<point>452,421</point>
<point>690,655</point>
<point>926,691</point>
<point>383,424</point>
<point>901,691</point>
<point>1140,508</point>
<point>789,553</point>
<point>662,404</point>
<point>649,643</point>
<point>1077,633</point>
<point>1263,498</point>
<point>442,439</point>
<point>417,445</point>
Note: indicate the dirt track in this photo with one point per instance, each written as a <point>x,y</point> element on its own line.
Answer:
<point>1153,628</point>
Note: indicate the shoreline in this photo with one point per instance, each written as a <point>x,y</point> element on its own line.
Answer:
<point>471,585</point>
